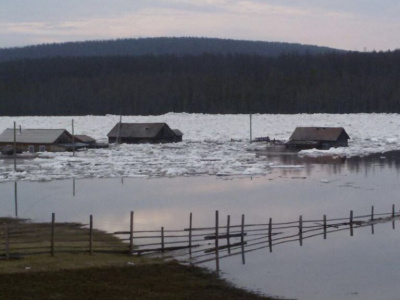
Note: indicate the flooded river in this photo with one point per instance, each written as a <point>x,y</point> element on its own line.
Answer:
<point>362,266</point>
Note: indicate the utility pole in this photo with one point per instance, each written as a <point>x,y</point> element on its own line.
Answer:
<point>15,147</point>
<point>251,133</point>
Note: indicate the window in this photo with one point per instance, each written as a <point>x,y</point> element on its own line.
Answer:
<point>42,148</point>
<point>31,148</point>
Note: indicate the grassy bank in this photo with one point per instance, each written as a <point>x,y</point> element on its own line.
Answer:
<point>106,276</point>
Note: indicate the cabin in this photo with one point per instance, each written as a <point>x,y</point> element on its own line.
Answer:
<point>318,137</point>
<point>135,133</point>
<point>38,140</point>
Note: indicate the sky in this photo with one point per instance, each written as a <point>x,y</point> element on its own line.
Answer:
<point>360,25</point>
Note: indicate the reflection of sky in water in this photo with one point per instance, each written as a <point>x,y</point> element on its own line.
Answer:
<point>341,267</point>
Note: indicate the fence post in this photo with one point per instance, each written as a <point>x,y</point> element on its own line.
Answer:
<point>270,234</point>
<point>372,219</point>
<point>162,239</point>
<point>131,235</point>
<point>351,223</point>
<point>53,219</point>
<point>324,227</point>
<point>216,241</point>
<point>190,234</point>
<point>242,239</point>
<point>393,215</point>
<point>228,240</point>
<point>7,242</point>
<point>91,235</point>
<point>301,230</point>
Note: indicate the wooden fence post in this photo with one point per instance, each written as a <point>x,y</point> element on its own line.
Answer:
<point>301,230</point>
<point>190,234</point>
<point>7,236</point>
<point>131,235</point>
<point>53,219</point>
<point>270,234</point>
<point>242,239</point>
<point>372,219</point>
<point>324,227</point>
<point>162,239</point>
<point>351,223</point>
<point>216,241</point>
<point>91,235</point>
<point>228,240</point>
<point>393,215</point>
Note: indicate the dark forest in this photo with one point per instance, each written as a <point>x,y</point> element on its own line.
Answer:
<point>349,82</point>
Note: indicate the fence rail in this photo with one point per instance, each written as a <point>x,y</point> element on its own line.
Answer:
<point>193,245</point>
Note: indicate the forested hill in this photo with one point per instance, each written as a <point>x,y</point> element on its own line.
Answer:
<point>158,46</point>
<point>208,83</point>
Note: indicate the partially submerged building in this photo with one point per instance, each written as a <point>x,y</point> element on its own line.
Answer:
<point>135,133</point>
<point>39,140</point>
<point>318,137</point>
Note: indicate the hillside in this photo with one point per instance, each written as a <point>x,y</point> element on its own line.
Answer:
<point>159,46</point>
<point>208,83</point>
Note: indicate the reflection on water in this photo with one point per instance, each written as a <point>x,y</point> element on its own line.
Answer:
<point>343,267</point>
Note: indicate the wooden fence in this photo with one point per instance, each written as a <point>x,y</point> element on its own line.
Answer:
<point>192,245</point>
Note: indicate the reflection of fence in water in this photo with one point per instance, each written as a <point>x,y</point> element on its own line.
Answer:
<point>193,245</point>
<point>200,245</point>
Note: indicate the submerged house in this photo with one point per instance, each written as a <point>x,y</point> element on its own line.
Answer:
<point>318,137</point>
<point>38,140</point>
<point>134,133</point>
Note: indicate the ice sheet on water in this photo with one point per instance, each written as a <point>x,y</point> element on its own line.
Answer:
<point>213,145</point>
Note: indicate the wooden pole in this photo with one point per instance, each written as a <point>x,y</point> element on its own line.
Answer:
<point>301,230</point>
<point>242,240</point>
<point>270,234</point>
<point>190,234</point>
<point>216,241</point>
<point>131,235</point>
<point>73,138</point>
<point>16,198</point>
<point>351,223</point>
<point>228,240</point>
<point>91,235</point>
<point>15,147</point>
<point>372,219</point>
<point>7,238</point>
<point>325,227</point>
<point>393,215</point>
<point>162,239</point>
<point>53,219</point>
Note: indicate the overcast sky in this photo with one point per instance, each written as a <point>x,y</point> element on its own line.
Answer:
<point>345,24</point>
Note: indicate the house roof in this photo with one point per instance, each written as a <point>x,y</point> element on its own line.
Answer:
<point>84,138</point>
<point>317,134</point>
<point>137,130</point>
<point>33,136</point>
<point>177,132</point>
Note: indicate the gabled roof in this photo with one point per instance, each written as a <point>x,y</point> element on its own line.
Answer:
<point>136,130</point>
<point>33,136</point>
<point>318,134</point>
<point>177,132</point>
<point>84,138</point>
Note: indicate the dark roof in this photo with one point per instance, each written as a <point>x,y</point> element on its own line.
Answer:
<point>317,134</point>
<point>177,132</point>
<point>84,138</point>
<point>137,130</point>
<point>33,136</point>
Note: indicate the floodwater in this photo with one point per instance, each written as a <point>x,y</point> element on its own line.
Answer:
<point>362,266</point>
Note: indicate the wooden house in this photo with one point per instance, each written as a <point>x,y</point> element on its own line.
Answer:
<point>318,137</point>
<point>38,140</point>
<point>134,133</point>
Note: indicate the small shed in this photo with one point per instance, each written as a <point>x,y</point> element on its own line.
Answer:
<point>36,140</point>
<point>135,133</point>
<point>318,137</point>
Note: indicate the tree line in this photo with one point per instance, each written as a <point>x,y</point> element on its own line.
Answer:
<point>348,82</point>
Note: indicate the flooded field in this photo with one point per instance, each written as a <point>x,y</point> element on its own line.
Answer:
<point>361,266</point>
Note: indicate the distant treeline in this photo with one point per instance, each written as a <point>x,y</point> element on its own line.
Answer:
<point>159,46</point>
<point>208,83</point>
